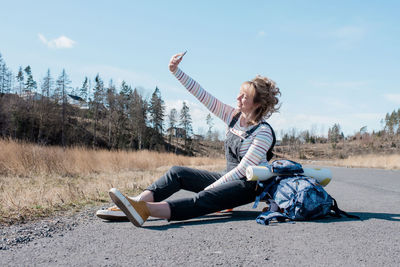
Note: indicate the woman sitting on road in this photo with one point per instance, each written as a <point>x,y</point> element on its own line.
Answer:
<point>248,140</point>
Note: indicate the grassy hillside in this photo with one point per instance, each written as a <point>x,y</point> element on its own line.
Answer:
<point>36,181</point>
<point>367,152</point>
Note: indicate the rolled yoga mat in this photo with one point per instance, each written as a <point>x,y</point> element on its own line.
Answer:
<point>262,173</point>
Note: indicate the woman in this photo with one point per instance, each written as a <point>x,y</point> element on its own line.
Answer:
<point>248,140</point>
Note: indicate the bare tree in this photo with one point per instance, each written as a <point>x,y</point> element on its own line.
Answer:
<point>210,124</point>
<point>173,119</point>
<point>98,103</point>
<point>20,80</point>
<point>138,111</point>
<point>63,83</point>
<point>44,109</point>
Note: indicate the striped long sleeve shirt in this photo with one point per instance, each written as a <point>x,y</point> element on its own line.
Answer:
<point>253,149</point>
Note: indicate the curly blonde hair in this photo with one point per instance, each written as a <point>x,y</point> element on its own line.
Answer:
<point>266,95</point>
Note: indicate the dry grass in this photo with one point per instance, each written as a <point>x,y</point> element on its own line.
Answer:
<point>389,162</point>
<point>35,181</point>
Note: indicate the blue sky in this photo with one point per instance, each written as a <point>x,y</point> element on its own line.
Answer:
<point>335,62</point>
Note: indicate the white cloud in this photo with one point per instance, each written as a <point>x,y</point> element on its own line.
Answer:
<point>60,42</point>
<point>394,98</point>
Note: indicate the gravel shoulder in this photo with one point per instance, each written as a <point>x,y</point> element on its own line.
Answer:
<point>225,238</point>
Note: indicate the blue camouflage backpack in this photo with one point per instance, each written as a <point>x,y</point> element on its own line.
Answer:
<point>292,196</point>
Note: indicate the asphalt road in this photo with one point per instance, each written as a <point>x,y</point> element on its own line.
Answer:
<point>235,239</point>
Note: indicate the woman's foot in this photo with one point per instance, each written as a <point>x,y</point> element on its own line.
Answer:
<point>114,213</point>
<point>136,211</point>
<point>111,214</point>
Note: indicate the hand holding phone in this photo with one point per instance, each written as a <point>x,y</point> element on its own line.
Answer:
<point>175,60</point>
<point>184,53</point>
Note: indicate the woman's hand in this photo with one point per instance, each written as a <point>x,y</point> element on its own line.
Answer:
<point>174,62</point>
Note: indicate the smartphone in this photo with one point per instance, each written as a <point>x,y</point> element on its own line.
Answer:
<point>184,53</point>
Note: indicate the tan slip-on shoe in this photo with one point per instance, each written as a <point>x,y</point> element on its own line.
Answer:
<point>114,213</point>
<point>136,211</point>
<point>111,214</point>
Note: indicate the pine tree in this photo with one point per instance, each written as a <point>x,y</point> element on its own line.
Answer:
<point>84,91</point>
<point>390,123</point>
<point>30,84</point>
<point>126,90</point>
<point>47,83</point>
<point>122,130</point>
<point>394,121</point>
<point>156,111</point>
<point>126,94</point>
<point>186,122</point>
<point>99,91</point>
<point>334,134</point>
<point>20,80</point>
<point>2,74</point>
<point>398,122</point>
<point>9,81</point>
<point>5,77</point>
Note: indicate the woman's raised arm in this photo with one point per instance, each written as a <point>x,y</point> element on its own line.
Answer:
<point>223,111</point>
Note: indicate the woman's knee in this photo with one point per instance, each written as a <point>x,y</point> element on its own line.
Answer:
<point>177,171</point>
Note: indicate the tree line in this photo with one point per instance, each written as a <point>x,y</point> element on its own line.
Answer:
<point>119,117</point>
<point>392,123</point>
<point>391,130</point>
<point>51,112</point>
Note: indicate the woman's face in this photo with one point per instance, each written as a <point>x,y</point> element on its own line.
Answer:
<point>245,99</point>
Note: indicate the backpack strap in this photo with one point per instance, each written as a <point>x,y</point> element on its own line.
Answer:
<point>267,216</point>
<point>338,212</point>
<point>265,195</point>
<point>270,153</point>
<point>234,119</point>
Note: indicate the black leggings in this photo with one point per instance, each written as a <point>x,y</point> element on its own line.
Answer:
<point>225,196</point>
